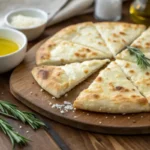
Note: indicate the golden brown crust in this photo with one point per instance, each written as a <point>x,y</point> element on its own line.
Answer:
<point>43,53</point>
<point>50,78</point>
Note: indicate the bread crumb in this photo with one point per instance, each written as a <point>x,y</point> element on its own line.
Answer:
<point>20,127</point>
<point>106,117</point>
<point>53,97</point>
<point>134,121</point>
<point>128,117</point>
<point>66,95</point>
<point>31,93</point>
<point>50,103</point>
<point>41,90</point>
<point>114,116</point>
<point>100,122</point>
<point>87,114</point>
<point>141,116</point>
<point>74,116</point>
<point>27,131</point>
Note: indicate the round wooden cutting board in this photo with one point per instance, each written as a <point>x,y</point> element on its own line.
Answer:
<point>25,89</point>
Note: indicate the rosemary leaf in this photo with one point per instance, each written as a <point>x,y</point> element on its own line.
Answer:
<point>25,117</point>
<point>14,137</point>
<point>142,60</point>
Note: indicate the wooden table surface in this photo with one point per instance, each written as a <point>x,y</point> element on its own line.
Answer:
<point>60,136</point>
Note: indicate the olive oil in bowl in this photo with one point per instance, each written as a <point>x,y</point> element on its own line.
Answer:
<point>7,47</point>
<point>140,11</point>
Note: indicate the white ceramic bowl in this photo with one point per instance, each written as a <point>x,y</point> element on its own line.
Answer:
<point>8,62</point>
<point>31,32</point>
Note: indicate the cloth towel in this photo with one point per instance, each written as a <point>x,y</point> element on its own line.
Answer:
<point>58,10</point>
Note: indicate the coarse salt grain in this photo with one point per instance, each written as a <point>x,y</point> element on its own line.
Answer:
<point>63,108</point>
<point>61,111</point>
<point>27,131</point>
<point>53,97</point>
<point>20,127</point>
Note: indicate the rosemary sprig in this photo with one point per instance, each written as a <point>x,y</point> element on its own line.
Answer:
<point>14,137</point>
<point>25,117</point>
<point>142,60</point>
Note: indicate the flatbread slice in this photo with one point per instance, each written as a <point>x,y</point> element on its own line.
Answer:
<point>84,34</point>
<point>139,77</point>
<point>143,43</point>
<point>118,35</point>
<point>58,52</point>
<point>57,80</point>
<point>112,92</point>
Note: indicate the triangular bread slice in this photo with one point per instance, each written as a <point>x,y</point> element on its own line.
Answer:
<point>57,80</point>
<point>118,35</point>
<point>112,92</point>
<point>143,43</point>
<point>85,34</point>
<point>58,52</point>
<point>140,77</point>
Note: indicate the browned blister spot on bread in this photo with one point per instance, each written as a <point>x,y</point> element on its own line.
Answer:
<point>43,74</point>
<point>121,89</point>
<point>96,96</point>
<point>127,65</point>
<point>45,56</point>
<point>122,33</point>
<point>86,71</point>
<point>99,79</point>
<point>132,71</point>
<point>115,35</point>
<point>147,45</point>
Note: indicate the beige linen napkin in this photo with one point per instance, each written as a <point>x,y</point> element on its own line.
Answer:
<point>72,8</point>
<point>58,10</point>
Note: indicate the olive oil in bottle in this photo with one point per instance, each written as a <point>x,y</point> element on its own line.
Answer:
<point>140,11</point>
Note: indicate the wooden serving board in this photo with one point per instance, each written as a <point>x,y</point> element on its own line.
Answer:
<point>25,89</point>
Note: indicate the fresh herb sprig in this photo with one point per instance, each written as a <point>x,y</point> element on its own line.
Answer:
<point>14,137</point>
<point>142,60</point>
<point>26,117</point>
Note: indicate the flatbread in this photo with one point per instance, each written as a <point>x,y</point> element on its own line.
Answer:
<point>118,35</point>
<point>57,80</point>
<point>139,77</point>
<point>143,43</point>
<point>84,34</point>
<point>58,52</point>
<point>112,92</point>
